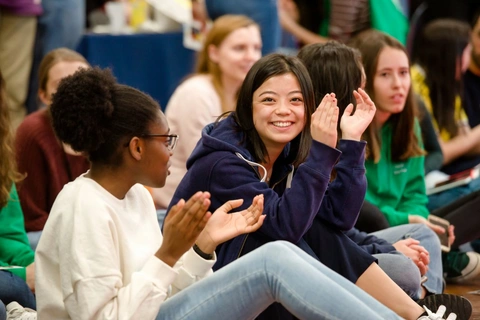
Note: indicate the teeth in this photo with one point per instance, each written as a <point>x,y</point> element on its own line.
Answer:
<point>282,124</point>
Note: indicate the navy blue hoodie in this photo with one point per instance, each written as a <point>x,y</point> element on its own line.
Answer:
<point>222,165</point>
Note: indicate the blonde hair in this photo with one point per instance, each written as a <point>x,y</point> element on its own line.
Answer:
<point>221,29</point>
<point>8,169</point>
<point>51,59</point>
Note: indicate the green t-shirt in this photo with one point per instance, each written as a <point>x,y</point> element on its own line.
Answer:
<point>15,248</point>
<point>397,188</point>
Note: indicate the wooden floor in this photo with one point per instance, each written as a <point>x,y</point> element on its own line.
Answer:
<point>464,290</point>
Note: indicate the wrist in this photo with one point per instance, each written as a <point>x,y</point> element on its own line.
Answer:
<point>350,137</point>
<point>166,258</point>
<point>201,253</point>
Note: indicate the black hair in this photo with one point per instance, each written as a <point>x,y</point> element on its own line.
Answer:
<point>270,66</point>
<point>96,116</point>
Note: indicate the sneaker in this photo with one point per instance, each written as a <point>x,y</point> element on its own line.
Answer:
<point>461,266</point>
<point>438,315</point>
<point>16,312</point>
<point>443,303</point>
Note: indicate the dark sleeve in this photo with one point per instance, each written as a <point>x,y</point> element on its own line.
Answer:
<point>288,215</point>
<point>434,156</point>
<point>344,198</point>
<point>369,243</point>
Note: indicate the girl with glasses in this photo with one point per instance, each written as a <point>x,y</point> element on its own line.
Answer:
<point>102,254</point>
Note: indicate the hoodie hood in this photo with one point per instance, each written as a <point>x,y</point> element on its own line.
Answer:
<point>220,136</point>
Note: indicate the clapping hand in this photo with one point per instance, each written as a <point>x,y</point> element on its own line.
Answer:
<point>324,121</point>
<point>353,125</point>
<point>224,226</point>
<point>182,226</point>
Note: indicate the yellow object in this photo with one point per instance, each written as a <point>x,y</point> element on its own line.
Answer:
<point>139,12</point>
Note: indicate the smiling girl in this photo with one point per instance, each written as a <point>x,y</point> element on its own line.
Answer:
<point>102,255</point>
<point>272,146</point>
<point>231,48</point>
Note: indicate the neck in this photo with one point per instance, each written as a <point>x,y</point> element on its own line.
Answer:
<point>230,89</point>
<point>272,156</point>
<point>474,68</point>
<point>111,179</point>
<point>381,117</point>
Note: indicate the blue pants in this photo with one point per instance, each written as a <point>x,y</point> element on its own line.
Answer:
<point>441,199</point>
<point>263,12</point>
<point>400,270</point>
<point>276,272</point>
<point>13,288</point>
<point>3,311</point>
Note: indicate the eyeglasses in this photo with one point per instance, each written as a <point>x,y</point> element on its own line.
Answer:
<point>171,139</point>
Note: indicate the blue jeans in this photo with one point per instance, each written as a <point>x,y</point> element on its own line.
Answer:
<point>62,24</point>
<point>441,199</point>
<point>3,311</point>
<point>276,272</point>
<point>13,288</point>
<point>429,240</point>
<point>33,238</point>
<point>263,12</point>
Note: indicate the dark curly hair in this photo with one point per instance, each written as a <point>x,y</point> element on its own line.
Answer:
<point>96,116</point>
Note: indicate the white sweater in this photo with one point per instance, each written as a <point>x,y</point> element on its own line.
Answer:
<point>95,259</point>
<point>193,105</point>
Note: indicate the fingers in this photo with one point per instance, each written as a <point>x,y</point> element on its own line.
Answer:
<point>348,110</point>
<point>437,229</point>
<point>410,241</point>
<point>451,234</point>
<point>253,213</point>
<point>359,99</point>
<point>366,98</point>
<point>257,224</point>
<point>230,205</point>
<point>422,268</point>
<point>193,212</point>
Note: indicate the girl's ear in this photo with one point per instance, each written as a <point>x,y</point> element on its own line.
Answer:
<point>44,98</point>
<point>135,147</point>
<point>213,53</point>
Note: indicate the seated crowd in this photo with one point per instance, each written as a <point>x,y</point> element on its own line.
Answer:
<point>274,187</point>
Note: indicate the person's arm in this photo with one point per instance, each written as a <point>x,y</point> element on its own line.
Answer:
<point>93,283</point>
<point>288,216</point>
<point>344,197</point>
<point>460,145</point>
<point>369,243</point>
<point>14,246</point>
<point>33,189</point>
<point>302,34</point>
<point>434,156</point>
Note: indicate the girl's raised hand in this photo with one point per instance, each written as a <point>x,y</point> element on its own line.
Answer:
<point>185,221</point>
<point>324,121</point>
<point>224,226</point>
<point>353,126</point>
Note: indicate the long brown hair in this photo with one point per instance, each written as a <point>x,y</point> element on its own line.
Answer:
<point>221,28</point>
<point>8,169</point>
<point>371,43</point>
<point>443,43</point>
